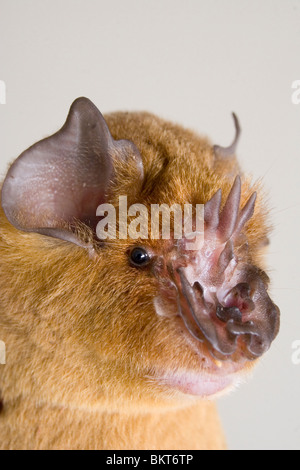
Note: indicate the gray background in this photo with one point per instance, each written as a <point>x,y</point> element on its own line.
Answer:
<point>192,61</point>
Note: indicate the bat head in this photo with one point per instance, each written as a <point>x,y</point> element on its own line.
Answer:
<point>142,313</point>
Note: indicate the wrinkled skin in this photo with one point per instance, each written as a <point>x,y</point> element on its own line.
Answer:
<point>220,295</point>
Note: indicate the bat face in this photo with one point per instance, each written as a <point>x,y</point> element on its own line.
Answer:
<point>157,319</point>
<point>216,295</point>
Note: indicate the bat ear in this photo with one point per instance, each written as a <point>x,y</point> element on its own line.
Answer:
<point>65,177</point>
<point>227,152</point>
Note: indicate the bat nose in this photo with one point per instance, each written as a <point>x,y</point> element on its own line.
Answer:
<point>254,336</point>
<point>238,325</point>
<point>228,313</point>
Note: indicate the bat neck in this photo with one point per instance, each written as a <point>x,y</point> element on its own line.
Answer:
<point>49,427</point>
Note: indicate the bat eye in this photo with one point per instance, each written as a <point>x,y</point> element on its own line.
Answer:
<point>139,257</point>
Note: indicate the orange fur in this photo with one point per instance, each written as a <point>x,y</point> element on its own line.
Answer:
<point>81,332</point>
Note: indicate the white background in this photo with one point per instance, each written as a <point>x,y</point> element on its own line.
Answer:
<point>192,61</point>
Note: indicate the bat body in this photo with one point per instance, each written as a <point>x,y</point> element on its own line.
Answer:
<point>118,343</point>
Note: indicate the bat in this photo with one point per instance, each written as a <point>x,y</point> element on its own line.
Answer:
<point>123,342</point>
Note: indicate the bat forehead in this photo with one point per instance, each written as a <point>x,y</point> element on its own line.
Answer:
<point>179,165</point>
<point>167,149</point>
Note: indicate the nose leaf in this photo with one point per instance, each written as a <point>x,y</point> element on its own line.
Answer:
<point>221,295</point>
<point>230,221</point>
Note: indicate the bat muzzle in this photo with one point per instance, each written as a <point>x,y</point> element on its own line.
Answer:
<point>241,323</point>
<point>219,293</point>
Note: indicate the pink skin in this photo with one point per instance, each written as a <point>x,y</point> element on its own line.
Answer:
<point>198,385</point>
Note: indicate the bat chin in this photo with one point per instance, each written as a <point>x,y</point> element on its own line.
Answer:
<point>211,379</point>
<point>202,385</point>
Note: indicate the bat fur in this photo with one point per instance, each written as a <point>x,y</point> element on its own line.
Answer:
<point>83,340</point>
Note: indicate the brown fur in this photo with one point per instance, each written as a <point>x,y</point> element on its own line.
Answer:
<point>81,332</point>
